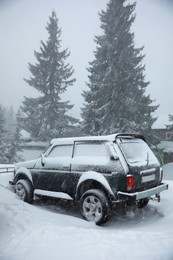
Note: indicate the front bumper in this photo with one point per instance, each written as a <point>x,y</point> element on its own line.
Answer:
<point>12,182</point>
<point>142,194</point>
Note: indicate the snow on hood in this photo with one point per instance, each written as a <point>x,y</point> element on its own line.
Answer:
<point>28,164</point>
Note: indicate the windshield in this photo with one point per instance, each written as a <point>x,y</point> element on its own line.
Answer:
<point>137,151</point>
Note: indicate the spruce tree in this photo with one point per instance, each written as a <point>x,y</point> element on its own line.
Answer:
<point>13,149</point>
<point>46,116</point>
<point>10,120</point>
<point>116,100</point>
<point>10,139</point>
<point>3,135</point>
<point>170,126</point>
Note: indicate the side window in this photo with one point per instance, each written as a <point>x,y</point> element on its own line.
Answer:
<point>61,151</point>
<point>83,149</point>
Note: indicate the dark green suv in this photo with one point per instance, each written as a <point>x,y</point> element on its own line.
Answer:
<point>101,173</point>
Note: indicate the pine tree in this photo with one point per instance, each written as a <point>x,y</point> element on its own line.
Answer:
<point>46,115</point>
<point>170,126</point>
<point>10,120</point>
<point>13,148</point>
<point>3,158</point>
<point>10,139</point>
<point>116,100</point>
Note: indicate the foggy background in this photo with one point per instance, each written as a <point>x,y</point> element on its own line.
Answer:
<point>22,27</point>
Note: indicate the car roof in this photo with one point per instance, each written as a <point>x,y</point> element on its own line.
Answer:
<point>112,137</point>
<point>71,140</point>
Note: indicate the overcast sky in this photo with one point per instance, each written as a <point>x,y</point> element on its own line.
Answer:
<point>22,27</point>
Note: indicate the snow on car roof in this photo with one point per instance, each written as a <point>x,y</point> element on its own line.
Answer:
<point>112,137</point>
<point>71,140</point>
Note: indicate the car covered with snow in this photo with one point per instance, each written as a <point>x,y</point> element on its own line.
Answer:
<point>101,173</point>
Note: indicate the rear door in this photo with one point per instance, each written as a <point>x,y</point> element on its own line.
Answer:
<point>141,161</point>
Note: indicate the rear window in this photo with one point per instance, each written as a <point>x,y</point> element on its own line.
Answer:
<point>137,151</point>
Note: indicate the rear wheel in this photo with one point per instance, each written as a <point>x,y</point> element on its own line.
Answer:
<point>24,190</point>
<point>95,206</point>
<point>142,203</point>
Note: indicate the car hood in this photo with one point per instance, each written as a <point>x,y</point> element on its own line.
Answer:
<point>27,164</point>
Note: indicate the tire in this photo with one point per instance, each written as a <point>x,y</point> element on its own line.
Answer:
<point>142,203</point>
<point>24,190</point>
<point>95,207</point>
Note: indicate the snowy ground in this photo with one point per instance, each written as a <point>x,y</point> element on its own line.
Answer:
<point>54,230</point>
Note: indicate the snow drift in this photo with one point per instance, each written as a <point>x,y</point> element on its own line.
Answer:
<point>53,229</point>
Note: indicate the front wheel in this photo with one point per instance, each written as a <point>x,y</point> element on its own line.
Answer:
<point>24,190</point>
<point>95,206</point>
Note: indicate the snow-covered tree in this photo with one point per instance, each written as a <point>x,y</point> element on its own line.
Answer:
<point>13,147</point>
<point>116,100</point>
<point>3,158</point>
<point>170,126</point>
<point>10,141</point>
<point>10,120</point>
<point>46,115</point>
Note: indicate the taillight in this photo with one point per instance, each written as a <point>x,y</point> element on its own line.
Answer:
<point>130,182</point>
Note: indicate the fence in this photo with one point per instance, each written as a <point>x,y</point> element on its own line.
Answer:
<point>4,168</point>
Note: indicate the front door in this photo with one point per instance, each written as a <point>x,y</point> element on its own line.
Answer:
<point>53,174</point>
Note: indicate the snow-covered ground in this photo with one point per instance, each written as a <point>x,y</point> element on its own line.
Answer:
<point>54,230</point>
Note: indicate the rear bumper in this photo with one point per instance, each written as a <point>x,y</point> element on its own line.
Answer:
<point>142,194</point>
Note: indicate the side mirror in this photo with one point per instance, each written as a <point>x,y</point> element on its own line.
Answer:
<point>43,160</point>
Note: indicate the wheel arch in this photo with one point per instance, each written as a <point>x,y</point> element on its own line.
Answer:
<point>93,180</point>
<point>23,173</point>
